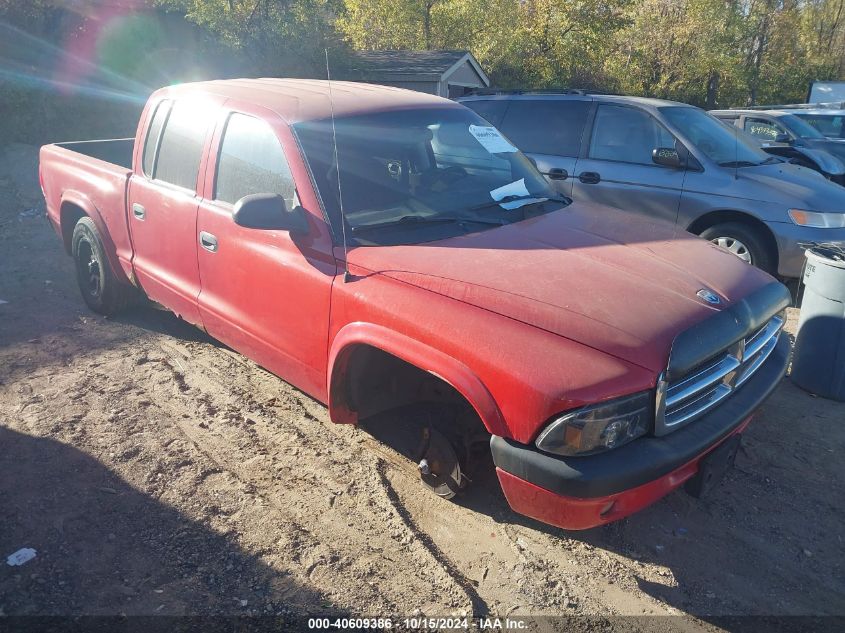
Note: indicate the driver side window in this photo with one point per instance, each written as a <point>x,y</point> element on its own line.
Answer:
<point>251,160</point>
<point>763,130</point>
<point>627,135</point>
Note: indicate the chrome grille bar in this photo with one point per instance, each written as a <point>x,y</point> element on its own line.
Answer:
<point>690,397</point>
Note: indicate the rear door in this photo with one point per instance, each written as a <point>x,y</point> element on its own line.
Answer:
<point>550,131</point>
<point>264,292</point>
<point>163,204</point>
<point>617,168</point>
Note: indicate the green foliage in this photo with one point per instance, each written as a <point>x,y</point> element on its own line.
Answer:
<point>707,52</point>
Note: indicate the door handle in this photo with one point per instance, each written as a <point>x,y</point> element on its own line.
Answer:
<point>208,241</point>
<point>139,211</point>
<point>589,177</point>
<point>556,173</point>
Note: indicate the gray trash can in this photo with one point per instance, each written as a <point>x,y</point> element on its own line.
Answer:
<point>818,363</point>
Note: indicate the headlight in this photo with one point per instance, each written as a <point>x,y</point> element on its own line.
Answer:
<point>598,428</point>
<point>817,220</point>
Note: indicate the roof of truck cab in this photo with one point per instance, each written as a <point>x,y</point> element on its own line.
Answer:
<point>309,99</point>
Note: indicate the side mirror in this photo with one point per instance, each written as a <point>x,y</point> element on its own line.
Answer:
<point>782,137</point>
<point>270,212</point>
<point>667,157</point>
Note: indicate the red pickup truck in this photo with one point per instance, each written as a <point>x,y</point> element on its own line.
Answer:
<point>392,254</point>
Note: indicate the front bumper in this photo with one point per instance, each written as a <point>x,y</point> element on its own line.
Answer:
<point>577,493</point>
<point>789,238</point>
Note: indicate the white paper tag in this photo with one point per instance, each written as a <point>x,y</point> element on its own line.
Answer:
<point>490,139</point>
<point>515,188</point>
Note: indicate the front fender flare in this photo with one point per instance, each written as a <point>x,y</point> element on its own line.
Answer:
<point>445,367</point>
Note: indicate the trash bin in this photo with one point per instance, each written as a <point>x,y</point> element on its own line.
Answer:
<point>818,364</point>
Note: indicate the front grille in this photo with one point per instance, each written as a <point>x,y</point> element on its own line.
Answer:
<point>688,398</point>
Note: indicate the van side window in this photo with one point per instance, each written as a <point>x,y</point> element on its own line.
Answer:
<point>153,133</point>
<point>182,142</point>
<point>627,135</point>
<point>763,130</point>
<point>546,126</point>
<point>492,110</point>
<point>251,160</point>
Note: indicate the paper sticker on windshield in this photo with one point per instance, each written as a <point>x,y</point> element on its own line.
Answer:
<point>490,138</point>
<point>514,195</point>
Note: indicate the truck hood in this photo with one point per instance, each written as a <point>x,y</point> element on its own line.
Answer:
<point>612,281</point>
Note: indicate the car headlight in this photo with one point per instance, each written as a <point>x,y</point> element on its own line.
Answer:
<point>599,427</point>
<point>817,220</point>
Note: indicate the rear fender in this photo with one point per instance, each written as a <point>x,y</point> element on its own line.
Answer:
<point>81,201</point>
<point>441,365</point>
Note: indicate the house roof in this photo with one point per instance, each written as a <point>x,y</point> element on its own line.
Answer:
<point>409,65</point>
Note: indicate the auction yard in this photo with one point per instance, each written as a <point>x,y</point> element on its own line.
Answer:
<point>156,472</point>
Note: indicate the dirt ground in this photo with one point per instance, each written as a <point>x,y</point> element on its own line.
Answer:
<point>157,472</point>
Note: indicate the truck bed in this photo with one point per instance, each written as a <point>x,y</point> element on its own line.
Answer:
<point>90,178</point>
<point>117,151</point>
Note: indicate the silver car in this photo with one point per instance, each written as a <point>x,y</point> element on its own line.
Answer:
<point>675,162</point>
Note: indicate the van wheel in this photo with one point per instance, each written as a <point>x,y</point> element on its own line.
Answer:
<point>743,241</point>
<point>100,290</point>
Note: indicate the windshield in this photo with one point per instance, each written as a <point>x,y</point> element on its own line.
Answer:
<point>829,125</point>
<point>727,146</point>
<point>417,175</point>
<point>800,127</point>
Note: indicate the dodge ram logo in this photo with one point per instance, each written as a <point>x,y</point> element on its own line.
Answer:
<point>709,296</point>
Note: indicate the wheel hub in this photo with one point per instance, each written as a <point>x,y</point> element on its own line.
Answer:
<point>733,245</point>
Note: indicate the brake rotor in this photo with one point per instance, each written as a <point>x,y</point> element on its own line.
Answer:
<point>439,466</point>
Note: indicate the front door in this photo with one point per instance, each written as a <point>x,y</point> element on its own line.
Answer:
<point>618,169</point>
<point>264,292</point>
<point>163,205</point>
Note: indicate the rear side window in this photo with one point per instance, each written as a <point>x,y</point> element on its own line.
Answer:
<point>493,111</point>
<point>251,161</point>
<point>153,132</point>
<point>180,148</point>
<point>628,135</point>
<point>546,126</point>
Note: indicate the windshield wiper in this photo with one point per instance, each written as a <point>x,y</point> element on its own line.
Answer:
<point>538,199</point>
<point>419,220</point>
<point>739,163</point>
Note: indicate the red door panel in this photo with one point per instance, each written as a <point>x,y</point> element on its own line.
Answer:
<point>265,293</point>
<point>162,222</point>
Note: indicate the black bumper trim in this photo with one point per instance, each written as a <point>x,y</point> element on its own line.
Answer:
<point>648,458</point>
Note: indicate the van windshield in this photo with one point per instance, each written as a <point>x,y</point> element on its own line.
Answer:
<point>410,176</point>
<point>800,127</point>
<point>721,144</point>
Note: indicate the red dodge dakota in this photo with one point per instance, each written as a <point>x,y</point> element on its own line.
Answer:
<point>390,253</point>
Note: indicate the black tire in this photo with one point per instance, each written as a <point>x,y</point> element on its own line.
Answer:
<point>101,291</point>
<point>754,244</point>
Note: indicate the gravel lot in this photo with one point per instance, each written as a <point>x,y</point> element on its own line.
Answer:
<point>157,472</point>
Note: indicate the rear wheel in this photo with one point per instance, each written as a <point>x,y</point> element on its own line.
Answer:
<point>100,290</point>
<point>743,241</point>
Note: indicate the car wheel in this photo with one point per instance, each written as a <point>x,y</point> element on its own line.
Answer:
<point>742,241</point>
<point>100,290</point>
